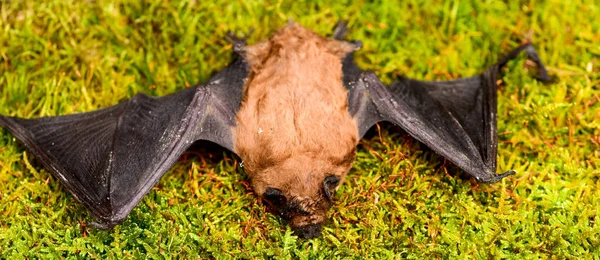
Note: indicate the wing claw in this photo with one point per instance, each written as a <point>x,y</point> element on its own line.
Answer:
<point>239,43</point>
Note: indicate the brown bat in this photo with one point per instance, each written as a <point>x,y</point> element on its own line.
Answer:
<point>292,107</point>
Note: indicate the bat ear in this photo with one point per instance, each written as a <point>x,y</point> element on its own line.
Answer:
<point>274,197</point>
<point>329,185</point>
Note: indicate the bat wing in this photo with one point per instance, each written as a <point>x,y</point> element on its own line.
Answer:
<point>456,119</point>
<point>110,158</point>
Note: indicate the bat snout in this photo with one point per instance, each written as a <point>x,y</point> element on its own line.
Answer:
<point>308,231</point>
<point>309,225</point>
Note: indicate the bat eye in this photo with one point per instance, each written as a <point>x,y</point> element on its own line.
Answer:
<point>329,185</point>
<point>274,197</point>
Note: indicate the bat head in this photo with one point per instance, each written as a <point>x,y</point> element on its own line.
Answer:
<point>301,188</point>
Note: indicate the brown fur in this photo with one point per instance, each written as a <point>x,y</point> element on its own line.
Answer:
<point>293,127</point>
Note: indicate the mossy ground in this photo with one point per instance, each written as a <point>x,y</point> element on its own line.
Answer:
<point>400,199</point>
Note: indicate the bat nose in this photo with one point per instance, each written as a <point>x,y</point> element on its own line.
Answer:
<point>308,231</point>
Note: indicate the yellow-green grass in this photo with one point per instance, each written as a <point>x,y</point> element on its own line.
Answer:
<point>399,201</point>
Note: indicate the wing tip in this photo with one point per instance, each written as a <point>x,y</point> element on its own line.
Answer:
<point>106,223</point>
<point>493,178</point>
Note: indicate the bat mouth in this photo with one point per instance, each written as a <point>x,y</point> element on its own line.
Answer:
<point>308,231</point>
<point>308,226</point>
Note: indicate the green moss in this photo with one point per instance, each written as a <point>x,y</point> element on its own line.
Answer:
<point>399,201</point>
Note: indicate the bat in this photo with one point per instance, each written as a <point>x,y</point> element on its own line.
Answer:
<point>292,107</point>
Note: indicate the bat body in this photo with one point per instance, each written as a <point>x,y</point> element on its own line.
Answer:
<point>294,129</point>
<point>292,107</point>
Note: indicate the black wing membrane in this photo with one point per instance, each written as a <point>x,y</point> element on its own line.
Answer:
<point>110,158</point>
<point>456,119</point>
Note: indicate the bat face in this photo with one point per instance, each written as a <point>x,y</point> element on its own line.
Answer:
<point>300,189</point>
<point>294,132</point>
